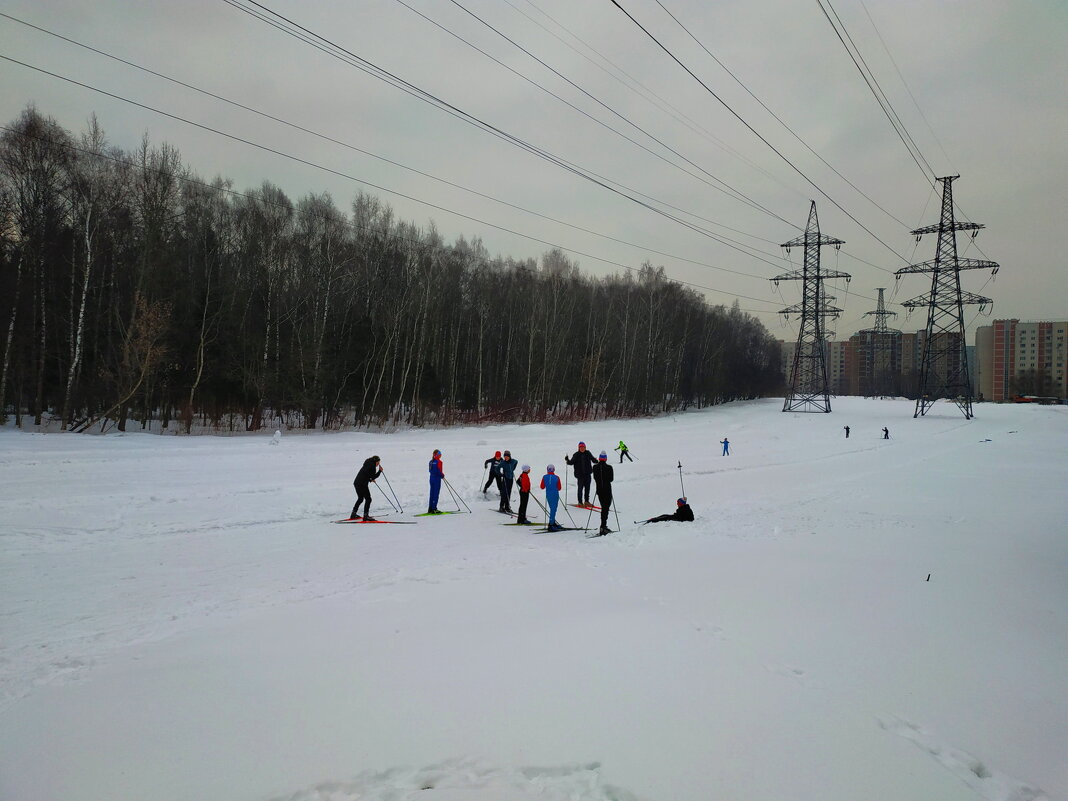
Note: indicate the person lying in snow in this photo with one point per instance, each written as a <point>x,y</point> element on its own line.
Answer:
<point>683,514</point>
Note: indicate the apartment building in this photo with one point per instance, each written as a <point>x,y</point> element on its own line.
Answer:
<point>1022,358</point>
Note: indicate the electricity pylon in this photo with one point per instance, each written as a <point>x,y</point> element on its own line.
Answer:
<point>944,363</point>
<point>809,385</point>
<point>882,345</point>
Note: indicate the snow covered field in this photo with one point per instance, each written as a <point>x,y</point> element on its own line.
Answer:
<point>180,620</point>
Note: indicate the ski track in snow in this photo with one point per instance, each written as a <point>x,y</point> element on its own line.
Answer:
<point>468,780</point>
<point>974,772</point>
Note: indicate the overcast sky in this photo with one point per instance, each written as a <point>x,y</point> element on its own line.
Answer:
<point>989,80</point>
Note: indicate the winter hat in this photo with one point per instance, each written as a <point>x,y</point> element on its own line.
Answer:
<point>680,501</point>
<point>508,453</point>
<point>550,468</point>
<point>526,468</point>
<point>603,457</point>
<point>375,458</point>
<point>437,453</point>
<point>582,444</point>
<point>497,455</point>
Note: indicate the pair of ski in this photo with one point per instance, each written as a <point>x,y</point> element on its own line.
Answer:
<point>545,530</point>
<point>361,521</point>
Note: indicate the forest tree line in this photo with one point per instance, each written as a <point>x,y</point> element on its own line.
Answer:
<point>132,289</point>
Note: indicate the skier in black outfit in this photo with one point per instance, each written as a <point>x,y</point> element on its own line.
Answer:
<point>508,466</point>
<point>583,462</point>
<point>362,483</point>
<point>683,514</point>
<point>494,464</point>
<point>603,474</point>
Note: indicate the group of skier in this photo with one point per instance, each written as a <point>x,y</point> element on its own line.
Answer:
<point>588,470</point>
<point>501,470</point>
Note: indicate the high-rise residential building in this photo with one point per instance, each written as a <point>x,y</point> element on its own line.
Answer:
<point>1022,358</point>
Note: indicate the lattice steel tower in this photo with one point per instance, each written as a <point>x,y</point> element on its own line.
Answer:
<point>944,364</point>
<point>809,389</point>
<point>882,358</point>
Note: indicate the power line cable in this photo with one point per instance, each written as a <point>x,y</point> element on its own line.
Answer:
<point>336,51</point>
<point>637,87</point>
<point>880,96</point>
<point>742,120</point>
<point>717,237</point>
<point>358,180</point>
<point>905,83</point>
<point>737,194</point>
<point>778,119</point>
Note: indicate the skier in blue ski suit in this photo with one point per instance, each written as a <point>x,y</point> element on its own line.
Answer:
<point>437,473</point>
<point>550,482</point>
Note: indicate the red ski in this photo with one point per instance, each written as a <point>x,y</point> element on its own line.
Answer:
<point>372,522</point>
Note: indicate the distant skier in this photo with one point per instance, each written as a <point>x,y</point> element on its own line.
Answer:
<point>362,483</point>
<point>582,460</point>
<point>437,473</point>
<point>683,514</point>
<point>623,451</point>
<point>603,474</point>
<point>847,431</point>
<point>886,433</point>
<point>494,464</point>
<point>550,482</point>
<point>524,494</point>
<point>726,446</point>
<point>508,466</point>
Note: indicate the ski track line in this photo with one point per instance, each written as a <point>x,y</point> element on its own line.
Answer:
<point>974,772</point>
<point>470,780</point>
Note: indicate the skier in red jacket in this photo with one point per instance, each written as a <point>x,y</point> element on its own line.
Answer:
<point>524,494</point>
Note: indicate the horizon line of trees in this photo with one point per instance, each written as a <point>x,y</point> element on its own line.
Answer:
<point>132,289</point>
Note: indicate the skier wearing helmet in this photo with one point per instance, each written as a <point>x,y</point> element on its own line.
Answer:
<point>550,482</point>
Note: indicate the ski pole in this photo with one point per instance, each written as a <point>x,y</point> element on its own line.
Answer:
<point>567,511</point>
<point>395,509</point>
<point>485,467</point>
<point>541,506</point>
<point>589,517</point>
<point>400,507</point>
<point>455,497</point>
<point>616,510</point>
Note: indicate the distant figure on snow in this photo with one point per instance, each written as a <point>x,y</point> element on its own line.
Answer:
<point>550,482</point>
<point>847,431</point>
<point>583,462</point>
<point>726,446</point>
<point>524,494</point>
<point>277,437</point>
<point>886,433</point>
<point>603,474</point>
<point>623,451</point>
<point>508,466</point>
<point>362,483</point>
<point>437,474</point>
<point>683,514</point>
<point>494,463</point>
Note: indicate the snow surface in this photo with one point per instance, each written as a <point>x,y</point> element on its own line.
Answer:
<point>181,620</point>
